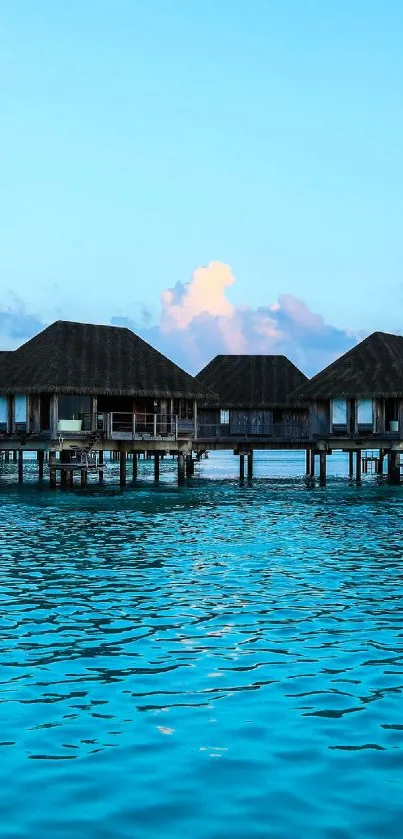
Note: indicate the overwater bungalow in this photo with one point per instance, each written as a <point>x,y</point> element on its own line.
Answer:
<point>99,387</point>
<point>356,403</point>
<point>254,403</point>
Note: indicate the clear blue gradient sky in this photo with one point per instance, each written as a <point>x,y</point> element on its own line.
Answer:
<point>140,139</point>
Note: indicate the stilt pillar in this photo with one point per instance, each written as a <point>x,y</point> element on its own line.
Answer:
<point>122,470</point>
<point>64,460</point>
<point>250,465</point>
<point>100,464</point>
<point>181,468</point>
<point>241,467</point>
<point>189,466</point>
<point>379,464</point>
<point>322,468</point>
<point>7,456</point>
<point>20,466</point>
<point>308,455</point>
<point>351,465</point>
<point>14,456</point>
<point>312,469</point>
<point>156,467</point>
<point>52,470</point>
<point>41,458</point>
<point>358,466</point>
<point>84,478</point>
<point>135,466</point>
<point>394,467</point>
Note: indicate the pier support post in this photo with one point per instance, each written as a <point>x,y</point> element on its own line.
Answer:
<point>312,469</point>
<point>308,455</point>
<point>41,458</point>
<point>322,468</point>
<point>64,459</point>
<point>100,464</point>
<point>122,470</point>
<point>134,466</point>
<point>84,478</point>
<point>241,467</point>
<point>181,469</point>
<point>20,466</point>
<point>6,455</point>
<point>351,465</point>
<point>250,465</point>
<point>156,467</point>
<point>379,465</point>
<point>52,470</point>
<point>14,456</point>
<point>358,466</point>
<point>189,466</point>
<point>394,467</point>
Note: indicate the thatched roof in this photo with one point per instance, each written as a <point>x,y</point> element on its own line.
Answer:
<point>84,358</point>
<point>252,381</point>
<point>373,368</point>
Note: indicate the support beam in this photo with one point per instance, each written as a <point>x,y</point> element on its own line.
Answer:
<point>312,471</point>
<point>20,466</point>
<point>41,458</point>
<point>308,455</point>
<point>379,464</point>
<point>241,467</point>
<point>52,470</point>
<point>189,466</point>
<point>394,467</point>
<point>14,456</point>
<point>84,478</point>
<point>122,470</point>
<point>250,465</point>
<point>135,466</point>
<point>351,465</point>
<point>358,466</point>
<point>7,456</point>
<point>322,468</point>
<point>181,469</point>
<point>156,467</point>
<point>101,463</point>
<point>64,460</point>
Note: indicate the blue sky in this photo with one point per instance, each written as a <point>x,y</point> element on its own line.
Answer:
<point>141,139</point>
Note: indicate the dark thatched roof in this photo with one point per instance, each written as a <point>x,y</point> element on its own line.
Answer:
<point>373,368</point>
<point>252,381</point>
<point>84,358</point>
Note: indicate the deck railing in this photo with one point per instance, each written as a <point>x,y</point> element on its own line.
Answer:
<point>125,425</point>
<point>275,432</point>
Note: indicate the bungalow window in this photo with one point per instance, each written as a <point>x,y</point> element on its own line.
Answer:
<point>365,412</point>
<point>224,417</point>
<point>20,411</point>
<point>3,413</point>
<point>339,412</point>
<point>75,409</point>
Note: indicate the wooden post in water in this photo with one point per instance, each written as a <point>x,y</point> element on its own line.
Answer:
<point>181,468</point>
<point>20,466</point>
<point>41,457</point>
<point>64,459</point>
<point>250,465</point>
<point>7,455</point>
<point>322,468</point>
<point>241,467</point>
<point>308,455</point>
<point>394,467</point>
<point>122,470</point>
<point>351,465</point>
<point>101,463</point>
<point>14,456</point>
<point>379,464</point>
<point>358,466</point>
<point>52,470</point>
<point>312,470</point>
<point>135,466</point>
<point>84,478</point>
<point>156,465</point>
<point>189,466</point>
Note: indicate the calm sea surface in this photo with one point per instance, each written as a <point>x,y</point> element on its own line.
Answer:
<point>212,662</point>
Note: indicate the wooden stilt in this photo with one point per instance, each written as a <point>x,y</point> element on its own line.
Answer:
<point>41,458</point>
<point>322,468</point>
<point>394,467</point>
<point>64,459</point>
<point>250,465</point>
<point>20,466</point>
<point>122,475</point>
<point>308,454</point>
<point>135,466</point>
<point>351,464</point>
<point>379,465</point>
<point>181,469</point>
<point>189,466</point>
<point>7,456</point>
<point>156,467</point>
<point>358,466</point>
<point>241,467</point>
<point>14,457</point>
<point>84,478</point>
<point>312,471</point>
<point>52,470</point>
<point>101,463</point>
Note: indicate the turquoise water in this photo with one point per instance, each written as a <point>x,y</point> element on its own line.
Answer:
<point>214,662</point>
